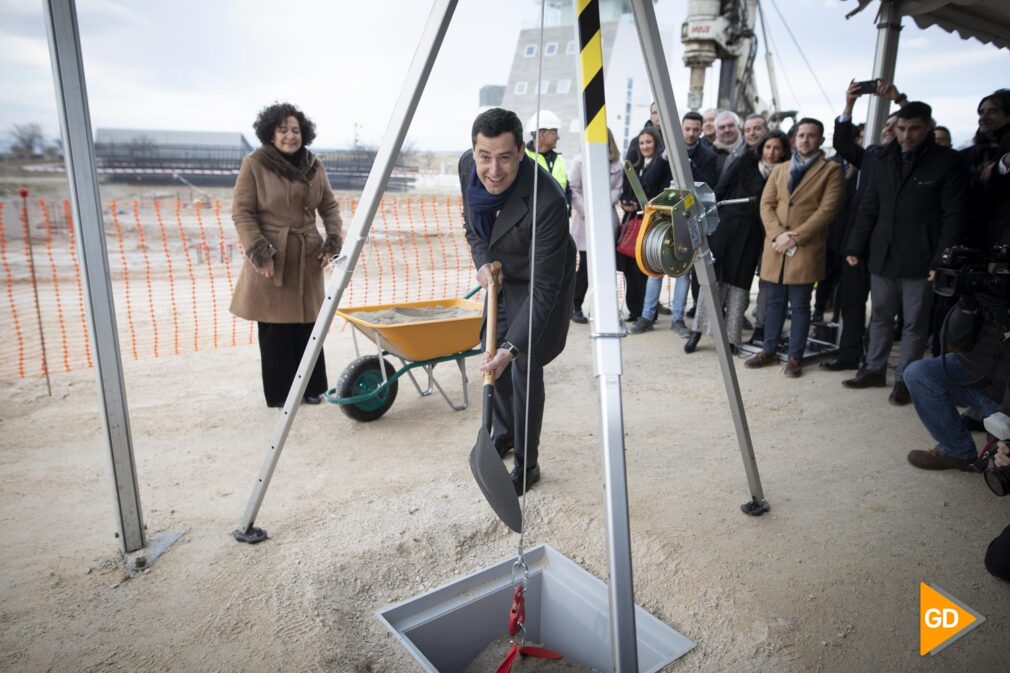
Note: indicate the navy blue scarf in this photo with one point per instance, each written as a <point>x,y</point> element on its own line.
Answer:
<point>484,205</point>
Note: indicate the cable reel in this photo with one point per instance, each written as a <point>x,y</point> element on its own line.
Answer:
<point>672,228</point>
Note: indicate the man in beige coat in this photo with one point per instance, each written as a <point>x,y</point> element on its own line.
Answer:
<point>799,200</point>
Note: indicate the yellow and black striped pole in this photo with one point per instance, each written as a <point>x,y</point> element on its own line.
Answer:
<point>607,330</point>
<point>591,65</point>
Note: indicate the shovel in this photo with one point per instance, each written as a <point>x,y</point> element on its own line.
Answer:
<point>488,469</point>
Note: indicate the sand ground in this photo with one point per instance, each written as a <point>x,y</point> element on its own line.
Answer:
<point>365,515</point>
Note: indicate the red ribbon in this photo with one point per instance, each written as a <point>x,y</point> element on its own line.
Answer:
<point>517,617</point>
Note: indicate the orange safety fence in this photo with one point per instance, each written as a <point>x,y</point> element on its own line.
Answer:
<point>173,267</point>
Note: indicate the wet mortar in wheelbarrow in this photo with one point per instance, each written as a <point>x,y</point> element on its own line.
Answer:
<point>421,335</point>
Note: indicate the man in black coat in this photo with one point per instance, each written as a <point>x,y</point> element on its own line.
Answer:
<point>702,156</point>
<point>854,281</point>
<point>497,181</point>
<point>913,209</point>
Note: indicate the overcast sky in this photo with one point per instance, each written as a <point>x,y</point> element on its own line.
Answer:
<point>202,65</point>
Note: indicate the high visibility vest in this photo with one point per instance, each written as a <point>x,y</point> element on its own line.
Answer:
<point>558,171</point>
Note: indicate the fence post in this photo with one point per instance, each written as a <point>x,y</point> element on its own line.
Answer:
<point>23,192</point>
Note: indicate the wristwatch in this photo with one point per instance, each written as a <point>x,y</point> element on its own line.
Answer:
<point>508,346</point>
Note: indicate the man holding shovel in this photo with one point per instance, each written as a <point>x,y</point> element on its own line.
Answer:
<point>516,214</point>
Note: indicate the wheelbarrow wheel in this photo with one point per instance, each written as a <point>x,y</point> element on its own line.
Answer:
<point>362,377</point>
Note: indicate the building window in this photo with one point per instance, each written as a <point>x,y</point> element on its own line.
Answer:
<point>530,51</point>
<point>550,48</point>
<point>520,89</point>
<point>564,85</point>
<point>545,87</point>
<point>573,47</point>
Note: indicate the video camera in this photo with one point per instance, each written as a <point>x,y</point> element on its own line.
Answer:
<point>996,478</point>
<point>965,271</point>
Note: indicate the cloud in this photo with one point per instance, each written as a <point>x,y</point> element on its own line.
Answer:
<point>18,51</point>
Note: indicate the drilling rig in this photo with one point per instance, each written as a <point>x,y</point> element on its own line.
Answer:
<point>724,30</point>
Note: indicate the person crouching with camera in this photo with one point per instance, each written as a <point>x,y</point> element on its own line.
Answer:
<point>972,372</point>
<point>978,328</point>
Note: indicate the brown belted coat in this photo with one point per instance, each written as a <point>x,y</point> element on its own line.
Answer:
<point>274,211</point>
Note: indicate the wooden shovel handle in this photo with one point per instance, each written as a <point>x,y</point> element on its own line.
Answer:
<point>491,328</point>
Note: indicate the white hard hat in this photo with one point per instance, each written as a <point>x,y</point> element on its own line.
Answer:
<point>548,120</point>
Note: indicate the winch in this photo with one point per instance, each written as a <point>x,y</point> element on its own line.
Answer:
<point>673,224</point>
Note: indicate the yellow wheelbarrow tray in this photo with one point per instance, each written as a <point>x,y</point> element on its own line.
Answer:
<point>366,390</point>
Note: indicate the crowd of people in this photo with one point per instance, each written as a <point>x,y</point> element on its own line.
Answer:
<point>824,232</point>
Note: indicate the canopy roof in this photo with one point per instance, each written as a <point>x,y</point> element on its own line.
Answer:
<point>987,21</point>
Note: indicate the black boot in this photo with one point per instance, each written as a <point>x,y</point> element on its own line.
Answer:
<point>692,342</point>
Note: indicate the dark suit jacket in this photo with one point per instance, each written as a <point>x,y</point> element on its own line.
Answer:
<point>510,243</point>
<point>705,164</point>
<point>908,222</point>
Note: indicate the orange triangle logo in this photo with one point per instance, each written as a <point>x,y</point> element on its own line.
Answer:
<point>942,619</point>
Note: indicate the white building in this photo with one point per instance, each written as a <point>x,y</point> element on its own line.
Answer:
<point>626,82</point>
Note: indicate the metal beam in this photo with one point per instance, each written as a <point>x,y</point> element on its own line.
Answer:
<point>659,78</point>
<point>606,332</point>
<point>86,206</point>
<point>885,59</point>
<point>357,236</point>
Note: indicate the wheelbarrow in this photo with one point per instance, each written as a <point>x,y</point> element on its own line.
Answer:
<point>368,386</point>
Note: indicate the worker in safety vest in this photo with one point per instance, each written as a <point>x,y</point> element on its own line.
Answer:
<point>544,136</point>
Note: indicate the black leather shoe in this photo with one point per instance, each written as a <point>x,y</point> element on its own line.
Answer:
<point>838,365</point>
<point>532,477</point>
<point>313,399</point>
<point>899,396</point>
<point>579,317</point>
<point>864,378</point>
<point>692,342</point>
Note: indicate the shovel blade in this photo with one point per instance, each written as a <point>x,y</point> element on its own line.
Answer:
<point>494,481</point>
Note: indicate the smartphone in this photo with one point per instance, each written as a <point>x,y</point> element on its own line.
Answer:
<point>869,86</point>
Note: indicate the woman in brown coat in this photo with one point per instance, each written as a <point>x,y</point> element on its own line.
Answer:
<point>279,189</point>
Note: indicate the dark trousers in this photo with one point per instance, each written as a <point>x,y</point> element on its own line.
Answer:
<point>826,286</point>
<point>581,281</point>
<point>853,290</point>
<point>798,298</point>
<point>508,426</point>
<point>695,287</point>
<point>281,348</point>
<point>635,282</point>
<point>997,557</point>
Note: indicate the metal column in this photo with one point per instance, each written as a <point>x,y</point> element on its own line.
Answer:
<point>659,78</point>
<point>357,235</point>
<point>884,60</point>
<point>606,332</point>
<point>86,205</point>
